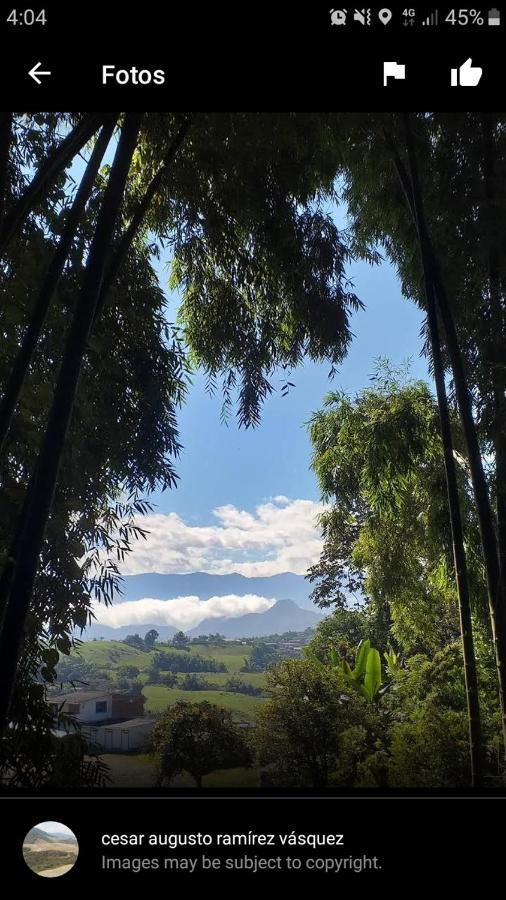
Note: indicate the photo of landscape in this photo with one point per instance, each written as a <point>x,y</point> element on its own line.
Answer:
<point>50,849</point>
<point>252,454</point>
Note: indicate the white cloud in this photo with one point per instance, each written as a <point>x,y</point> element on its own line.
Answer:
<point>181,612</point>
<point>281,535</point>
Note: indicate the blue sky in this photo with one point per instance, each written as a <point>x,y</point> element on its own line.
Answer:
<point>224,464</point>
<point>247,500</point>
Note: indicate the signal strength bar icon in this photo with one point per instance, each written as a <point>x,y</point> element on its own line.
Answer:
<point>433,19</point>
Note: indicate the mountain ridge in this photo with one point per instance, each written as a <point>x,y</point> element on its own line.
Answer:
<point>37,835</point>
<point>284,616</point>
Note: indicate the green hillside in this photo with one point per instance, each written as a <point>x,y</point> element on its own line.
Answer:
<point>257,679</point>
<point>242,706</point>
<point>233,654</point>
<point>36,835</point>
<point>109,655</point>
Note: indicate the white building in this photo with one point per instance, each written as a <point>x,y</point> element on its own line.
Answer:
<point>85,706</point>
<point>120,736</point>
<point>110,720</point>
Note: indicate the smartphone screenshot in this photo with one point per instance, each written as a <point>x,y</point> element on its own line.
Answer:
<point>252,446</point>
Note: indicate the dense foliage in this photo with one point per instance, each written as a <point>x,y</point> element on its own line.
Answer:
<point>178,662</point>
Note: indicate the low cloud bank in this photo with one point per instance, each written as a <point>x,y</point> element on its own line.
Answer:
<point>181,612</point>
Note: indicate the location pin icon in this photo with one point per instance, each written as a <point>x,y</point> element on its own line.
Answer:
<point>385,15</point>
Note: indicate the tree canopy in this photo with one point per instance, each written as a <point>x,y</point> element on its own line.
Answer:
<point>378,459</point>
<point>197,738</point>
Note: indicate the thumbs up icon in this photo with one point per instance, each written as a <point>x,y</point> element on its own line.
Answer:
<point>467,76</point>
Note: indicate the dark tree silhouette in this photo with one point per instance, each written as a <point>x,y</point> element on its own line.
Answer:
<point>5,140</point>
<point>128,237</point>
<point>435,283</point>
<point>46,174</point>
<point>411,189</point>
<point>29,342</point>
<point>22,562</point>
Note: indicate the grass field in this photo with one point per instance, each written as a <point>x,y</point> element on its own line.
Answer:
<point>233,655</point>
<point>109,655</point>
<point>243,707</point>
<point>42,858</point>
<point>130,769</point>
<point>139,770</point>
<point>257,679</point>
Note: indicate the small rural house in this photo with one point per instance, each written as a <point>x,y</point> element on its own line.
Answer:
<point>99,706</point>
<point>119,737</point>
<point>111,720</point>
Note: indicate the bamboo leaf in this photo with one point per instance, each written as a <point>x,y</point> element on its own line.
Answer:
<point>372,680</point>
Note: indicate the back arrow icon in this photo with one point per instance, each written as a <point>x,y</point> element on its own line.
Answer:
<point>36,71</point>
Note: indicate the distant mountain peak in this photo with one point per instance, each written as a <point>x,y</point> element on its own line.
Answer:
<point>283,616</point>
<point>285,603</point>
<point>292,609</point>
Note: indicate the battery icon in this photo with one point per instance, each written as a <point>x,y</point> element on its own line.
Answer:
<point>494,17</point>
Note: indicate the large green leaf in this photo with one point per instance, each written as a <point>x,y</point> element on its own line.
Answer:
<point>361,659</point>
<point>372,680</point>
